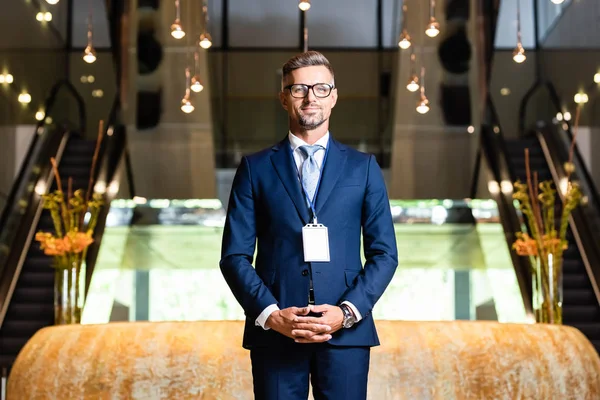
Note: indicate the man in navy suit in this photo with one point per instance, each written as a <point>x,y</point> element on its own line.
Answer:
<point>303,203</point>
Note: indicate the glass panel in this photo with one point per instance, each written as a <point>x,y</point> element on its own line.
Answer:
<point>163,268</point>
<point>81,11</point>
<point>264,23</point>
<point>548,14</point>
<point>392,14</point>
<point>342,23</point>
<point>215,21</point>
<point>506,27</point>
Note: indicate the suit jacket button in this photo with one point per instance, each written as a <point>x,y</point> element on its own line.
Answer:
<point>305,272</point>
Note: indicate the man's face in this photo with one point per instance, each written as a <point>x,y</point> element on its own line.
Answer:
<point>309,111</point>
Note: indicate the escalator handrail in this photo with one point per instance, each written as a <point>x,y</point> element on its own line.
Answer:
<point>494,149</point>
<point>26,228</point>
<point>582,232</point>
<point>26,164</point>
<point>582,172</point>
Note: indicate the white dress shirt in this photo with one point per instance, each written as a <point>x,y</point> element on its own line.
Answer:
<point>295,143</point>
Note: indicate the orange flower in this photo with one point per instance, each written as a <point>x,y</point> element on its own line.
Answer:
<point>553,244</point>
<point>51,245</point>
<point>525,246</point>
<point>78,241</point>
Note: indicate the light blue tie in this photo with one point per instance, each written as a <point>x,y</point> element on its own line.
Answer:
<point>310,170</point>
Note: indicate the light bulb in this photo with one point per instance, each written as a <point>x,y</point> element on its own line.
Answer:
<point>581,98</point>
<point>519,54</point>
<point>433,28</point>
<point>47,17</point>
<point>89,54</point>
<point>558,1</point>
<point>8,78</point>
<point>196,85</point>
<point>413,84</point>
<point>186,105</point>
<point>25,98</point>
<point>404,41</point>
<point>567,116</point>
<point>304,5</point>
<point>597,77</point>
<point>53,2</point>
<point>40,115</point>
<point>423,105</point>
<point>205,40</point>
<point>39,16</point>
<point>177,30</point>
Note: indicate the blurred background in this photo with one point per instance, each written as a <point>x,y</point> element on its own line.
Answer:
<point>446,94</point>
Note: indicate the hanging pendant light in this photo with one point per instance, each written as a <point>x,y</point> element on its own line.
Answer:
<point>186,103</point>
<point>413,81</point>
<point>433,26</point>
<point>404,39</point>
<point>176,29</point>
<point>423,104</point>
<point>304,5</point>
<point>519,52</point>
<point>196,84</point>
<point>89,53</point>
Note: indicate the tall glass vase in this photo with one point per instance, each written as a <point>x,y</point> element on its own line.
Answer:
<point>69,285</point>
<point>548,290</point>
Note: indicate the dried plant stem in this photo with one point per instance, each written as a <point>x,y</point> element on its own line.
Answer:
<point>95,159</point>
<point>534,204</point>
<point>575,130</point>
<point>63,206</point>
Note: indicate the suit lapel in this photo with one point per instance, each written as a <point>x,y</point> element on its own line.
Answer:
<point>334,165</point>
<point>288,174</point>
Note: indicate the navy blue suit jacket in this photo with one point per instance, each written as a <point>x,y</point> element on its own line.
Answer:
<point>267,209</point>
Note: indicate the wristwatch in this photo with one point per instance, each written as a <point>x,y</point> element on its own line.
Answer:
<point>349,318</point>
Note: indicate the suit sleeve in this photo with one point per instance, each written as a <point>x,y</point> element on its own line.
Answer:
<point>379,242</point>
<point>239,240</point>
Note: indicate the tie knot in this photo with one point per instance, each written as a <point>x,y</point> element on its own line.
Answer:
<point>310,151</point>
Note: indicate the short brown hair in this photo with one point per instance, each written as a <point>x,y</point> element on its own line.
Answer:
<point>307,59</point>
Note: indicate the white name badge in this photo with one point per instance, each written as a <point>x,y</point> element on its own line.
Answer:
<point>315,239</point>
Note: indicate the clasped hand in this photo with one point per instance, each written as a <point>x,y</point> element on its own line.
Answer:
<point>295,323</point>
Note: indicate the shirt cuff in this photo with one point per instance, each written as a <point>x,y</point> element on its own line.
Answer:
<point>354,310</point>
<point>262,318</point>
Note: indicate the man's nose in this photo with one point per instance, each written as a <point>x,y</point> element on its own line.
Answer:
<point>310,96</point>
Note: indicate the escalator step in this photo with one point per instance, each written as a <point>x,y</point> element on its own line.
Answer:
<point>591,330</point>
<point>75,172</point>
<point>579,297</point>
<point>28,312</point>
<point>575,282</point>
<point>572,315</point>
<point>573,266</point>
<point>16,329</point>
<point>521,174</point>
<point>36,295</point>
<point>12,344</point>
<point>36,279</point>
<point>75,160</point>
<point>41,264</point>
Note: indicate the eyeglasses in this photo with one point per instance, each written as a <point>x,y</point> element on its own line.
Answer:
<point>300,91</point>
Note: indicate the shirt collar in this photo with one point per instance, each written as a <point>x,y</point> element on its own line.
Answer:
<point>296,142</point>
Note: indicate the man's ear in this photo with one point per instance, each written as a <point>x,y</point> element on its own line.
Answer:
<point>284,101</point>
<point>334,97</point>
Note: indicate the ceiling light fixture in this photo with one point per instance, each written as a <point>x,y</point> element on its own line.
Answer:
<point>304,5</point>
<point>433,26</point>
<point>176,29</point>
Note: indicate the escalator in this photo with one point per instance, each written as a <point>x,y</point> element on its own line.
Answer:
<point>581,308</point>
<point>26,275</point>
<point>31,306</point>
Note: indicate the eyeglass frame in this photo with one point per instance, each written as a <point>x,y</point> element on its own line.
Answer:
<point>310,87</point>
